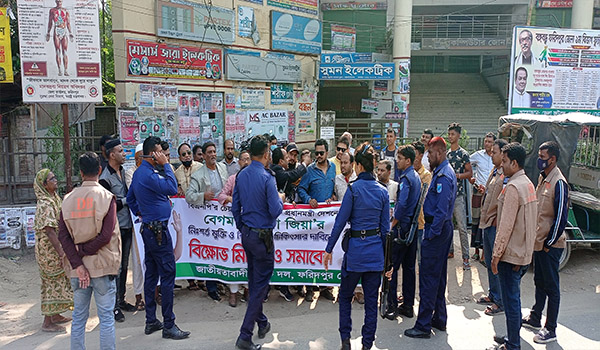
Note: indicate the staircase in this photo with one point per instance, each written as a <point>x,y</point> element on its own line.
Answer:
<point>436,100</point>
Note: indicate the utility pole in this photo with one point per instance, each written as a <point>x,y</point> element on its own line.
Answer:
<point>401,54</point>
<point>582,14</point>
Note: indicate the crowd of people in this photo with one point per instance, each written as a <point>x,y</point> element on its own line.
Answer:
<point>84,241</point>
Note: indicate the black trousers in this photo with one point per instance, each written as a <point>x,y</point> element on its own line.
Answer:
<point>126,239</point>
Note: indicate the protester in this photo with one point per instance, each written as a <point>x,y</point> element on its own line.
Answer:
<point>489,213</point>
<point>186,169</point>
<point>404,254</point>
<point>384,175</point>
<point>459,159</point>
<point>425,177</point>
<point>390,151</point>
<point>437,238</point>
<point>113,179</point>
<point>103,156</point>
<point>481,162</point>
<point>292,151</point>
<point>342,147</point>
<point>256,206</point>
<point>285,176</point>
<point>272,141</point>
<point>513,247</point>
<point>230,161</point>
<point>90,236</point>
<point>347,176</point>
<point>148,197</point>
<point>56,295</point>
<point>425,138</point>
<point>553,209</point>
<point>198,155</point>
<point>366,207</point>
<point>348,135</point>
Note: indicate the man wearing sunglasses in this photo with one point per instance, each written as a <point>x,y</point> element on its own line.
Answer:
<point>343,145</point>
<point>186,169</point>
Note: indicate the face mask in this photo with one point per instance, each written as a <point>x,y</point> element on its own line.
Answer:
<point>187,163</point>
<point>542,164</point>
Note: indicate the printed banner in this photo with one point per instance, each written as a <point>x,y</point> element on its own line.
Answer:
<point>60,51</point>
<point>306,6</point>
<point>181,19</point>
<point>6,68</point>
<point>129,131</point>
<point>356,71</point>
<point>353,5</point>
<point>305,105</point>
<point>295,33</point>
<point>343,38</point>
<point>208,245</point>
<point>555,71</point>
<point>151,59</point>
<point>282,94</point>
<point>267,122</point>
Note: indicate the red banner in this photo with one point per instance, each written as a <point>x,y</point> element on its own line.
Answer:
<point>151,59</point>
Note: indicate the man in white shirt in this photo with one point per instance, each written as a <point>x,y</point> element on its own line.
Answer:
<point>425,138</point>
<point>349,137</point>
<point>384,172</point>
<point>230,161</point>
<point>348,175</point>
<point>521,98</point>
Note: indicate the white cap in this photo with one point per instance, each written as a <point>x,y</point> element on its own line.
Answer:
<point>139,148</point>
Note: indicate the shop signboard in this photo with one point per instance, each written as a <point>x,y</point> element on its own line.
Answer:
<point>465,43</point>
<point>306,6</point>
<point>152,59</point>
<point>295,33</point>
<point>251,68</point>
<point>272,122</point>
<point>253,98</point>
<point>346,57</point>
<point>353,5</point>
<point>282,94</point>
<point>181,19</point>
<point>369,106</point>
<point>245,21</point>
<point>554,3</point>
<point>356,71</point>
<point>555,71</point>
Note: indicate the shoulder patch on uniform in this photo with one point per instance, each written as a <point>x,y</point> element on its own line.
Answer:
<point>401,186</point>
<point>439,188</point>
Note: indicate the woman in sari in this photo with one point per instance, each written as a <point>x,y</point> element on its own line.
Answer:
<point>57,296</point>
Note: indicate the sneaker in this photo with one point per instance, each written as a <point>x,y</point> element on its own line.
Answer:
<point>544,336</point>
<point>214,296</point>
<point>174,333</point>
<point>284,292</point>
<point>466,265</point>
<point>529,323</point>
<point>119,317</point>
<point>326,293</point>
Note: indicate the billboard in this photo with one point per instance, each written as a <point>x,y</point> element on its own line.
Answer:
<point>60,51</point>
<point>356,71</point>
<point>252,68</point>
<point>306,6</point>
<point>295,33</point>
<point>555,71</point>
<point>6,69</point>
<point>152,59</point>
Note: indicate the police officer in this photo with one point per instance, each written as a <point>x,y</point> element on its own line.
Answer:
<point>409,191</point>
<point>148,197</point>
<point>438,209</point>
<point>366,206</point>
<point>255,206</point>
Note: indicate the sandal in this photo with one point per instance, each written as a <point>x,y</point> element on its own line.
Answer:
<point>485,300</point>
<point>140,305</point>
<point>193,286</point>
<point>492,311</point>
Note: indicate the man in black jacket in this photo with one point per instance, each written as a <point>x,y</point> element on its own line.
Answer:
<point>284,176</point>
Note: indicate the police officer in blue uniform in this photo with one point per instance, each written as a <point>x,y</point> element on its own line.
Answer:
<point>366,206</point>
<point>148,198</point>
<point>255,207</point>
<point>409,191</point>
<point>437,237</point>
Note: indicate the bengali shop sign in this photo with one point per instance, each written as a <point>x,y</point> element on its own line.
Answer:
<point>306,6</point>
<point>208,246</point>
<point>151,59</point>
<point>555,71</point>
<point>356,71</point>
<point>295,33</point>
<point>60,51</point>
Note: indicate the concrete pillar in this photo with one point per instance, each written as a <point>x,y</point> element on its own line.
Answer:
<point>401,54</point>
<point>582,14</point>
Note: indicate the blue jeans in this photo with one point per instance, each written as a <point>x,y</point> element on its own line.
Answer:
<point>370,284</point>
<point>489,237</point>
<point>104,289</point>
<point>510,287</point>
<point>545,278</point>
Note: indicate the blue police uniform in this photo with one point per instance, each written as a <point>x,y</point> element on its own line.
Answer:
<point>437,237</point>
<point>148,197</point>
<point>255,207</point>
<point>409,190</point>
<point>367,206</point>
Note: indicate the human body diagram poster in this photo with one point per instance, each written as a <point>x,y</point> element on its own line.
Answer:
<point>555,71</point>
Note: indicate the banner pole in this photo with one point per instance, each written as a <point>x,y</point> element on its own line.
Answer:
<point>67,147</point>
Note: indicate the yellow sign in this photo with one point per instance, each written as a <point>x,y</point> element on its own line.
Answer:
<point>6,70</point>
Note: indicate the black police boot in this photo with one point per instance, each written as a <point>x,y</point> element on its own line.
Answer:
<point>391,314</point>
<point>438,325</point>
<point>175,333</point>
<point>246,344</point>
<point>346,344</point>
<point>153,327</point>
<point>262,332</point>
<point>405,310</point>
<point>416,333</point>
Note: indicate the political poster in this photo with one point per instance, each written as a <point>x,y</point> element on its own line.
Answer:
<point>235,126</point>
<point>555,71</point>
<point>207,244</point>
<point>129,131</point>
<point>60,51</point>
<point>6,68</point>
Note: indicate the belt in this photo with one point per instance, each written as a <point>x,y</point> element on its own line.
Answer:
<point>364,233</point>
<point>428,219</point>
<point>260,230</point>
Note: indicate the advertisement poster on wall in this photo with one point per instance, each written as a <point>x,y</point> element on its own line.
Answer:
<point>343,38</point>
<point>129,131</point>
<point>404,76</point>
<point>555,71</point>
<point>305,104</point>
<point>189,118</point>
<point>235,126</point>
<point>146,98</point>
<point>272,122</point>
<point>6,68</point>
<point>151,59</point>
<point>295,33</point>
<point>306,6</point>
<point>282,94</point>
<point>60,51</point>
<point>253,98</point>
<point>181,19</point>
<point>245,21</point>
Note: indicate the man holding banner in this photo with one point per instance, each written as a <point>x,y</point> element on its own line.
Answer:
<point>255,207</point>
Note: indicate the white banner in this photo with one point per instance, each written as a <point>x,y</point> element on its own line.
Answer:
<point>211,249</point>
<point>60,51</point>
